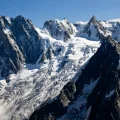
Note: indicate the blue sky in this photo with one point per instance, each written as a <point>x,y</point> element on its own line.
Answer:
<point>74,10</point>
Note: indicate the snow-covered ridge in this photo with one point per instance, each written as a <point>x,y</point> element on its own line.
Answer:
<point>60,29</point>
<point>114,20</point>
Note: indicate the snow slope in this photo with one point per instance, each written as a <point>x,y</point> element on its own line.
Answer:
<point>38,83</point>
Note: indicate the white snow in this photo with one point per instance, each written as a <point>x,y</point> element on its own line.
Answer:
<point>114,20</point>
<point>118,67</point>
<point>8,19</point>
<point>106,24</point>
<point>42,33</point>
<point>81,23</point>
<point>88,112</point>
<point>7,31</point>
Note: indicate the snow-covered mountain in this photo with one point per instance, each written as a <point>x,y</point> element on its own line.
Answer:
<point>63,71</point>
<point>94,30</point>
<point>61,30</point>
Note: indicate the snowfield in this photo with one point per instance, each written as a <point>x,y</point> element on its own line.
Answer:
<point>38,83</point>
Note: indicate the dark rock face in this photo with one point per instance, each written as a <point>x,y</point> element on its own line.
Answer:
<point>19,43</point>
<point>50,111</point>
<point>27,38</point>
<point>11,57</point>
<point>59,29</point>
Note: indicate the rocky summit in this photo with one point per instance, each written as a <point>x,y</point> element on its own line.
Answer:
<point>62,71</point>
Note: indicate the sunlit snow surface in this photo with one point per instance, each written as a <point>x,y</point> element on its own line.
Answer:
<point>114,20</point>
<point>35,84</point>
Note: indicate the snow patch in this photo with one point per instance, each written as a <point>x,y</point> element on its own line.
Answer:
<point>88,88</point>
<point>110,94</point>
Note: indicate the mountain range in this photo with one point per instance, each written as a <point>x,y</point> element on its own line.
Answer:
<point>62,71</point>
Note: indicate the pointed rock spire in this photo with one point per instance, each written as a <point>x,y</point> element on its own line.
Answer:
<point>19,17</point>
<point>93,20</point>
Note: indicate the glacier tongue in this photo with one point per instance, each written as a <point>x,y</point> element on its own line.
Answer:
<point>38,83</point>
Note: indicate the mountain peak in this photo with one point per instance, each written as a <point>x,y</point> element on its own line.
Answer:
<point>93,20</point>
<point>59,29</point>
<point>21,18</point>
